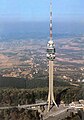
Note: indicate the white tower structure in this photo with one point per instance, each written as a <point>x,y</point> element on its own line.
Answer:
<point>51,57</point>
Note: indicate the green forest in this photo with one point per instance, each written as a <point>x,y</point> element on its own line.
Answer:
<point>14,91</point>
<point>37,82</point>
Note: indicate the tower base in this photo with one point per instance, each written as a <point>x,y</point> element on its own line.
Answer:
<point>51,103</point>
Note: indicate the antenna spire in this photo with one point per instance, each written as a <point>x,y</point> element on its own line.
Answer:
<point>50,19</point>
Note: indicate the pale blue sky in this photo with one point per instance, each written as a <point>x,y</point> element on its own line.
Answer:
<point>38,10</point>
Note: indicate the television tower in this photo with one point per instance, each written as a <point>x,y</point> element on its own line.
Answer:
<point>51,58</point>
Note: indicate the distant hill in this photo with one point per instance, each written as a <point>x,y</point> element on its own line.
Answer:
<point>34,30</point>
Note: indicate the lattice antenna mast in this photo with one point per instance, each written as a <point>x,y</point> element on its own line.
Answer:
<point>51,20</point>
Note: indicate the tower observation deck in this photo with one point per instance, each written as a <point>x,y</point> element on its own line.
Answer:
<point>51,58</point>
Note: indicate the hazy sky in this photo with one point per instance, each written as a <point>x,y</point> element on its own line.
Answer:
<point>38,10</point>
